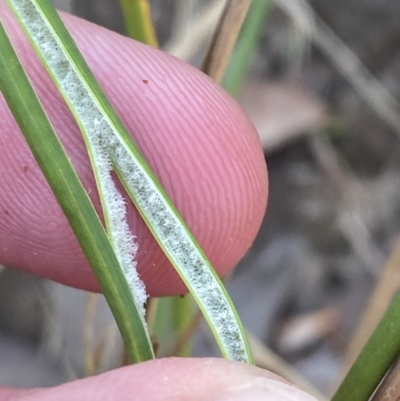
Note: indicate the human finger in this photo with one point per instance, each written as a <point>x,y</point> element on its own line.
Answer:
<point>172,379</point>
<point>198,141</point>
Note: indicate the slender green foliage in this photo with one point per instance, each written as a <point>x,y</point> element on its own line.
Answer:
<point>173,316</point>
<point>138,23</point>
<point>73,199</point>
<point>183,308</point>
<point>95,115</point>
<point>375,359</point>
<point>246,46</point>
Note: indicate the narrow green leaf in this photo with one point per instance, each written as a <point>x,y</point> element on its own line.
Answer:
<point>173,316</point>
<point>375,359</point>
<point>183,315</point>
<point>90,107</point>
<point>73,199</point>
<point>246,46</point>
<point>138,23</point>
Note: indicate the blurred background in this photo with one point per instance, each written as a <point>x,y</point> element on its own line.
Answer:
<point>321,85</point>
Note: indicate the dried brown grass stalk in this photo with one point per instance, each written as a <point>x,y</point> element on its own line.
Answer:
<point>191,36</point>
<point>267,359</point>
<point>370,89</point>
<point>88,334</point>
<point>224,38</point>
<point>389,390</point>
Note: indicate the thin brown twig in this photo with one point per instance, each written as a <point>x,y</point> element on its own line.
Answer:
<point>389,390</point>
<point>267,359</point>
<point>349,192</point>
<point>184,14</point>
<point>190,40</point>
<point>88,335</point>
<point>100,350</point>
<point>224,38</point>
<point>151,312</point>
<point>346,62</point>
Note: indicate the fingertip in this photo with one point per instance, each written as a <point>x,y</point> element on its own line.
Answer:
<point>173,379</point>
<point>198,141</point>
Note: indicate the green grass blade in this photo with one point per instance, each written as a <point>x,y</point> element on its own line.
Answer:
<point>183,315</point>
<point>246,46</point>
<point>72,198</point>
<point>172,314</point>
<point>172,318</point>
<point>375,359</point>
<point>88,104</point>
<point>138,23</point>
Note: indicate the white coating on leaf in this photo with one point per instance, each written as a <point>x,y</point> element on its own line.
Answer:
<point>94,128</point>
<point>104,138</point>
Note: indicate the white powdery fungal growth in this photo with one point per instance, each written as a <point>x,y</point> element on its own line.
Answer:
<point>194,268</point>
<point>95,128</point>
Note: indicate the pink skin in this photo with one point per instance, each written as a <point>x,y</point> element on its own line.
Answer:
<point>205,152</point>
<point>202,147</point>
<point>172,379</point>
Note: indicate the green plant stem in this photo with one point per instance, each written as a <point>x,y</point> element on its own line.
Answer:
<point>138,23</point>
<point>375,359</point>
<point>73,199</point>
<point>246,46</point>
<point>94,113</point>
<point>173,316</point>
<point>183,313</point>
